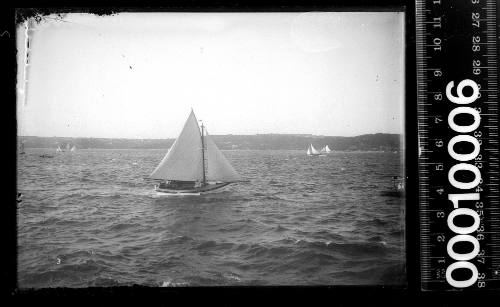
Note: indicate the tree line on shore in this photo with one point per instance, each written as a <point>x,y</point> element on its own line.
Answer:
<point>377,142</point>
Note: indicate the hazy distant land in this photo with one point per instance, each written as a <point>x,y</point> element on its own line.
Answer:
<point>366,142</point>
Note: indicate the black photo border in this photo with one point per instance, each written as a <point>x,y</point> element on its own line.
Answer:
<point>224,296</point>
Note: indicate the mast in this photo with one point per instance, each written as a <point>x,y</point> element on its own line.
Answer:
<point>183,161</point>
<point>203,154</point>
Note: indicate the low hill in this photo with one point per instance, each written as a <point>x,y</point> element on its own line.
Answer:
<point>378,141</point>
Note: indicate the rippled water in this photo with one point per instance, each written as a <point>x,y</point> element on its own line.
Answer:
<point>88,218</point>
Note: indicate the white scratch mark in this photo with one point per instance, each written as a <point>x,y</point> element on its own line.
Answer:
<point>24,89</point>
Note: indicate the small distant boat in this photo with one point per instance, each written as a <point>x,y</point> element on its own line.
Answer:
<point>193,165</point>
<point>398,187</point>
<point>68,147</point>
<point>21,149</point>
<point>311,151</point>
<point>326,149</point>
<point>46,156</point>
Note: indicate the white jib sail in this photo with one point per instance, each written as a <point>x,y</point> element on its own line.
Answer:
<point>183,161</point>
<point>314,151</point>
<point>327,149</point>
<point>218,167</point>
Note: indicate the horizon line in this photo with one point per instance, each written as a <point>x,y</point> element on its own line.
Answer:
<point>287,134</point>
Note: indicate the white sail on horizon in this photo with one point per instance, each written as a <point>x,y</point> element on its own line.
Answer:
<point>326,149</point>
<point>184,160</point>
<point>312,151</point>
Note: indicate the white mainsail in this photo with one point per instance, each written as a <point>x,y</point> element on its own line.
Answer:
<point>326,149</point>
<point>314,151</point>
<point>311,151</point>
<point>184,159</point>
<point>73,148</point>
<point>218,168</point>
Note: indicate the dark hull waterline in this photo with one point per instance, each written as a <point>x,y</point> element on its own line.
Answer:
<point>393,193</point>
<point>198,190</point>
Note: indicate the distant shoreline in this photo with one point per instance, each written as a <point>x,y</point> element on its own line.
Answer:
<point>366,142</point>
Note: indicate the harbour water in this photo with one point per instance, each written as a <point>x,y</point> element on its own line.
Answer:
<point>89,218</point>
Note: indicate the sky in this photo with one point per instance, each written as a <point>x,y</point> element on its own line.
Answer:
<point>137,75</point>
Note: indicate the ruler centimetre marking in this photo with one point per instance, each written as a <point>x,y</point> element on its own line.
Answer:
<point>457,41</point>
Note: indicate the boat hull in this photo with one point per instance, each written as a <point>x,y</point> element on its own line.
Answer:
<point>194,191</point>
<point>393,193</point>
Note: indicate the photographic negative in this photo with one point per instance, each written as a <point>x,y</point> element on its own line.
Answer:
<point>211,149</point>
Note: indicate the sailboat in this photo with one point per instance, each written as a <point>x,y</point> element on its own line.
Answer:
<point>73,148</point>
<point>194,164</point>
<point>59,149</point>
<point>398,189</point>
<point>326,149</point>
<point>21,149</point>
<point>311,151</point>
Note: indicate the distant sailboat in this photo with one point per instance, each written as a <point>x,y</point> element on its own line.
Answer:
<point>398,189</point>
<point>326,149</point>
<point>311,151</point>
<point>68,147</point>
<point>21,149</point>
<point>193,164</point>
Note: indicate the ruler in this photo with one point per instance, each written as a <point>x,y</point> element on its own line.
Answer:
<point>457,115</point>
